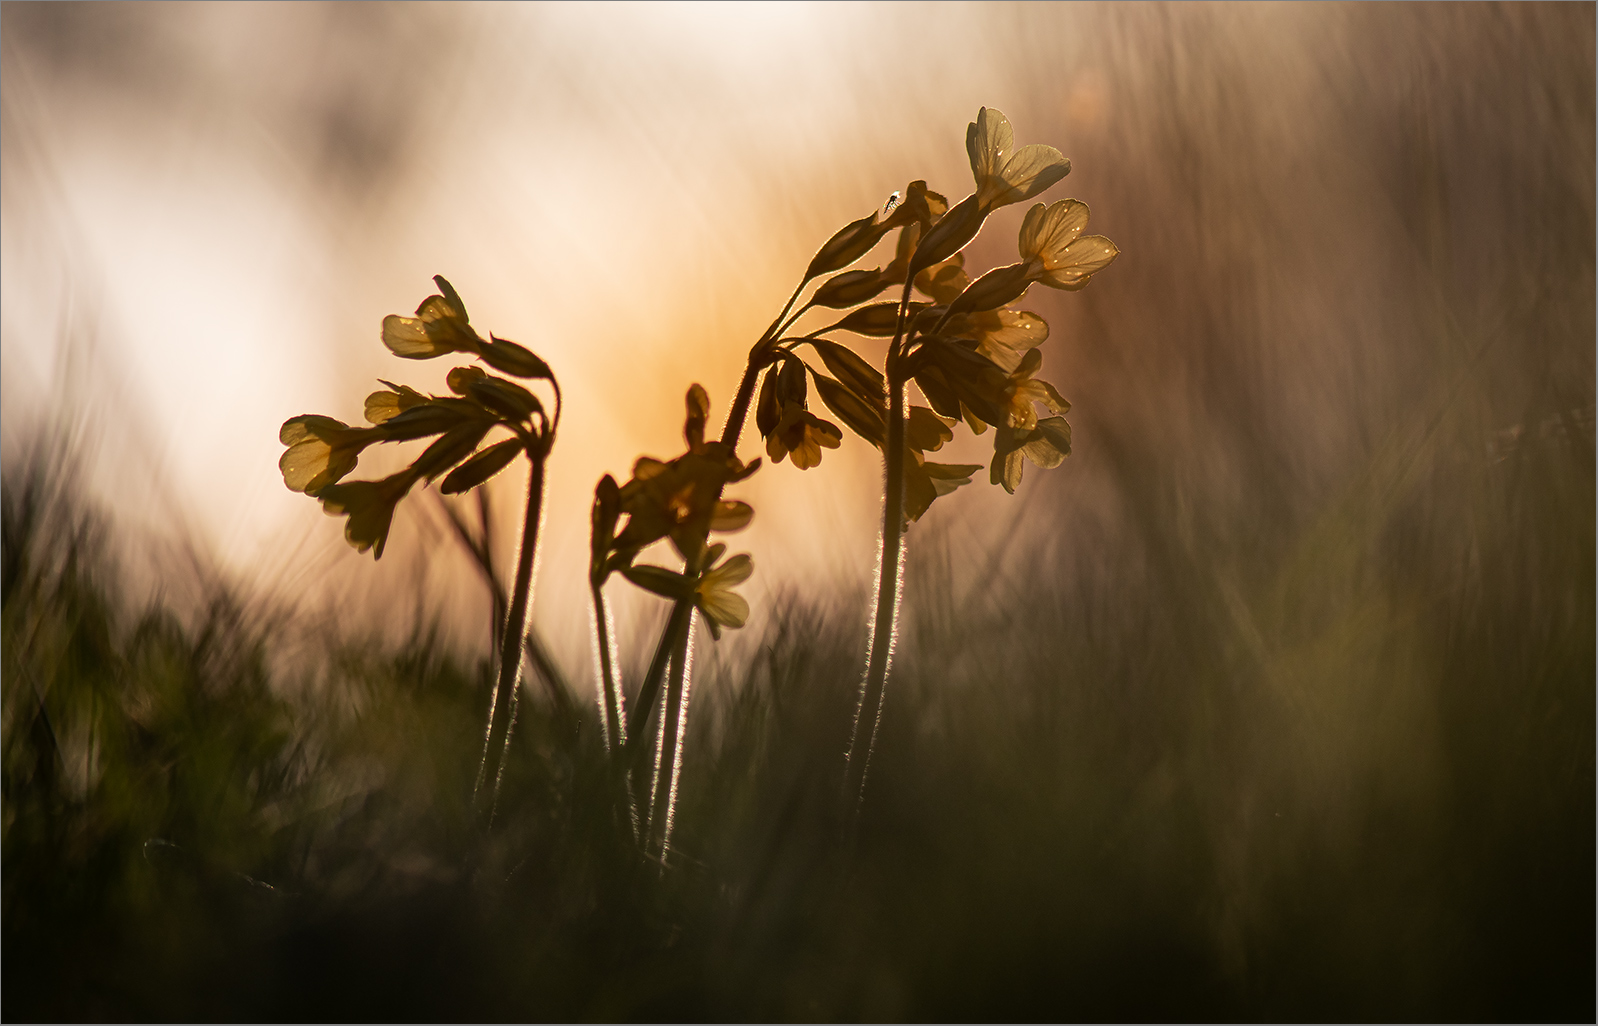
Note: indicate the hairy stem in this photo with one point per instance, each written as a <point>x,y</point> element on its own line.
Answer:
<point>868,712</point>
<point>638,715</point>
<point>740,407</point>
<point>502,701</point>
<point>670,746</point>
<point>873,689</point>
<point>643,705</point>
<point>609,700</point>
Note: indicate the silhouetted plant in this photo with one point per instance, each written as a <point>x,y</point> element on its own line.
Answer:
<point>680,500</point>
<point>323,450</point>
<point>972,356</point>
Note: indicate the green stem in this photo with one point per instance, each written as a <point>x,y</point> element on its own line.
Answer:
<point>675,635</point>
<point>611,711</point>
<point>777,325</point>
<point>670,746</point>
<point>613,715</point>
<point>873,689</point>
<point>643,706</point>
<point>740,407</point>
<point>502,702</point>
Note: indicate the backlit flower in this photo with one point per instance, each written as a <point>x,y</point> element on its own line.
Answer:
<point>369,506</point>
<point>1023,391</point>
<point>721,606</point>
<point>1056,252</point>
<point>383,406</point>
<point>1005,175</point>
<point>803,434</point>
<point>1047,444</point>
<point>682,499</point>
<point>321,450</point>
<point>439,327</point>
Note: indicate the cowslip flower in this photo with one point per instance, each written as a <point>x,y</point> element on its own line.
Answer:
<point>713,594</point>
<point>321,451</point>
<point>1003,174</point>
<point>1055,251</point>
<point>369,505</point>
<point>782,415</point>
<point>439,327</point>
<point>1047,444</point>
<point>681,499</point>
<point>384,405</point>
<point>1023,391</point>
<point>803,434</point>
<point>1005,336</point>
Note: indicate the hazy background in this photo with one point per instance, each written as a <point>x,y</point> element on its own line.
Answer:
<point>1279,691</point>
<point>208,210</point>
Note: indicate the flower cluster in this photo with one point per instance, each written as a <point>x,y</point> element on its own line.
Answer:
<point>322,451</point>
<point>679,500</point>
<point>973,356</point>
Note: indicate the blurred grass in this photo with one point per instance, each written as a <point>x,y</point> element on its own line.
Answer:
<point>1347,776</point>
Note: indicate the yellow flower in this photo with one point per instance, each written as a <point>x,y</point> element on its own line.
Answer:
<point>1047,445</point>
<point>1003,336</point>
<point>370,508</point>
<point>321,451</point>
<point>1023,391</point>
<point>1002,176</point>
<point>1053,251</point>
<point>682,499</point>
<point>439,327</point>
<point>802,433</point>
<point>713,594</point>
<point>384,406</point>
<point>925,482</point>
<point>1056,252</point>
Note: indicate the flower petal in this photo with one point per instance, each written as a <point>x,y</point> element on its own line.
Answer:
<point>407,337</point>
<point>731,516</point>
<point>987,142</point>
<point>1006,470</point>
<point>1079,261</point>
<point>1032,169</point>
<point>303,462</point>
<point>735,571</point>
<point>1005,336</point>
<point>727,608</point>
<point>1047,230</point>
